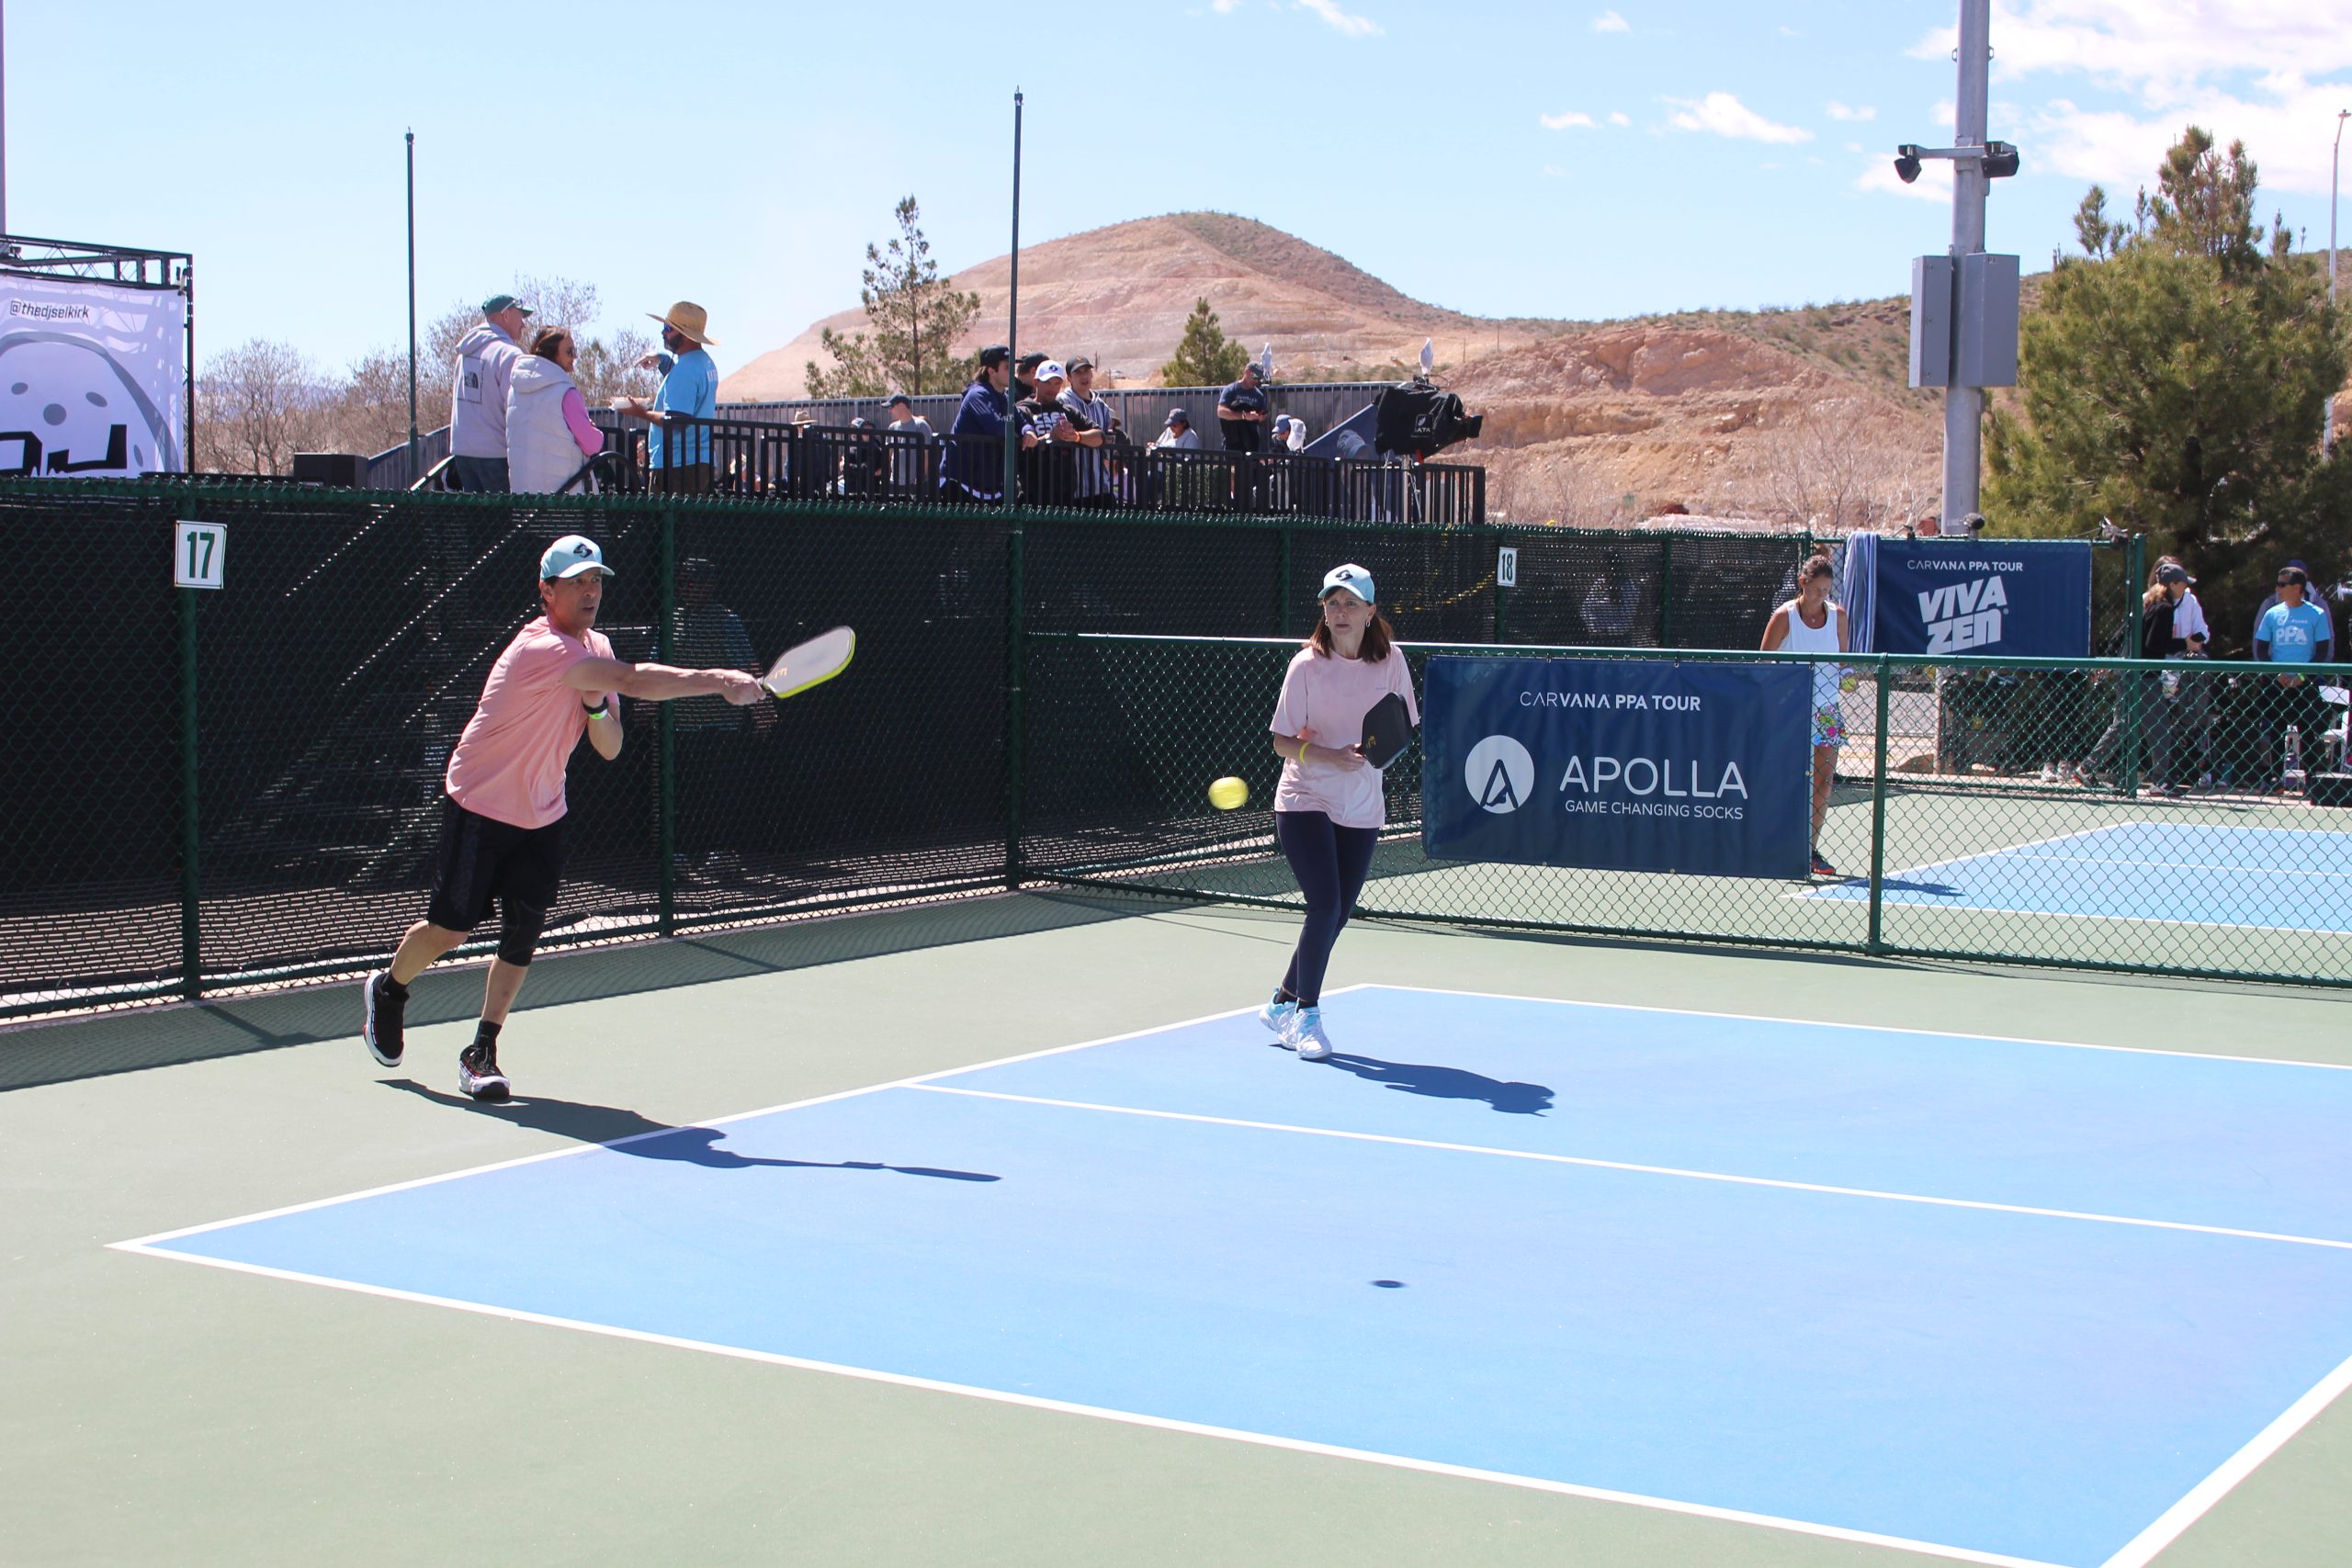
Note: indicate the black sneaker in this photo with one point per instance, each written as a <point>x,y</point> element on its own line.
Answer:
<point>477,1073</point>
<point>379,1019</point>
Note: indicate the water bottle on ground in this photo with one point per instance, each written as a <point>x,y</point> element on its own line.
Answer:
<point>2290,766</point>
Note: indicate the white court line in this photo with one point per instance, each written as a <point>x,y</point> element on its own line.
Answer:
<point>1866,1028</point>
<point>2175,1520</point>
<point>1676,1171</point>
<point>1126,1417</point>
<point>2175,864</point>
<point>138,1243</point>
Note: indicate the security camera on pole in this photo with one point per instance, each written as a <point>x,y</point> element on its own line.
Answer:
<point>1964,305</point>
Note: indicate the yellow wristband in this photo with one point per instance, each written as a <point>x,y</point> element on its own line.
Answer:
<point>1301,751</point>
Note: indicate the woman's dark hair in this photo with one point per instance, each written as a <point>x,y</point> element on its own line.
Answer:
<point>1377,635</point>
<point>1816,565</point>
<point>547,339</point>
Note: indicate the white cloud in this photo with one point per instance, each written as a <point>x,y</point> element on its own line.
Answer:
<point>1617,117</point>
<point>1569,122</point>
<point>1839,111</point>
<point>1352,25</point>
<point>1611,22</point>
<point>1788,31</point>
<point>1724,115</point>
<point>2179,63</point>
<point>1554,172</point>
<point>1225,8</point>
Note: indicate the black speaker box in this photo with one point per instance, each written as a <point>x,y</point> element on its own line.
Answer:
<point>347,470</point>
<point>2331,789</point>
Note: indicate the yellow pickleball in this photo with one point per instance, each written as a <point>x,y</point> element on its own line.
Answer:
<point>1228,793</point>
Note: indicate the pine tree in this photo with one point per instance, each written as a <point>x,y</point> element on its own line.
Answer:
<point>916,317</point>
<point>2173,381</point>
<point>1205,355</point>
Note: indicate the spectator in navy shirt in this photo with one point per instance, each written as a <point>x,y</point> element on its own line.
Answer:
<point>1241,412</point>
<point>976,464</point>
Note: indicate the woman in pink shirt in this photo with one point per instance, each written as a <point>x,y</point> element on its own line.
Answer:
<point>1328,808</point>
<point>549,433</point>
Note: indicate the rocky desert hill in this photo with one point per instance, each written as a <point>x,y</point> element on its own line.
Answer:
<point>1122,294</point>
<point>1796,414</point>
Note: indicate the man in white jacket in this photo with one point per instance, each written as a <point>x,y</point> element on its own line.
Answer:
<point>486,358</point>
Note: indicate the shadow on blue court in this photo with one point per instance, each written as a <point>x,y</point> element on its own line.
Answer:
<point>2009,1298</point>
<point>2269,878</point>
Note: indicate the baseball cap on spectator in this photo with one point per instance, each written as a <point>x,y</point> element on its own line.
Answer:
<point>2172,572</point>
<point>570,555</point>
<point>1177,416</point>
<point>497,303</point>
<point>1048,370</point>
<point>1031,358</point>
<point>994,355</point>
<point>897,400</point>
<point>1082,362</point>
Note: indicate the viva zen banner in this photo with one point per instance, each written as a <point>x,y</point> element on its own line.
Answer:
<point>2024,598</point>
<point>1618,765</point>
<point>93,379</point>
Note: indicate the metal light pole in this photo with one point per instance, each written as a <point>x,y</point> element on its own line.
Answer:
<point>2335,162</point>
<point>413,475</point>
<point>1964,406</point>
<point>1012,308</point>
<point>3,116</point>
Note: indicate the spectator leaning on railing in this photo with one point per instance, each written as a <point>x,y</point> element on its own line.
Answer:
<point>549,433</point>
<point>1096,477</point>
<point>681,459</point>
<point>1178,435</point>
<point>976,458</point>
<point>486,358</point>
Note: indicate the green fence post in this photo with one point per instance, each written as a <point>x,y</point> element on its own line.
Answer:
<point>1282,587</point>
<point>192,925</point>
<point>1016,666</point>
<point>2135,565</point>
<point>1665,595</point>
<point>665,772</point>
<point>1875,941</point>
<point>1502,594</point>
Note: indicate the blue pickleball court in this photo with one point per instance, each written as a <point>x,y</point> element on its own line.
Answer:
<point>2215,874</point>
<point>2015,1302</point>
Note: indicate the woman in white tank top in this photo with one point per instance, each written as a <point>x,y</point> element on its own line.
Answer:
<point>1811,624</point>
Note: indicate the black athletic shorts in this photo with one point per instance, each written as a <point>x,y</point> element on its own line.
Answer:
<point>483,859</point>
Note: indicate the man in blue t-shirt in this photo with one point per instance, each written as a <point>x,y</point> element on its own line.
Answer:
<point>2293,631</point>
<point>679,459</point>
<point>1241,413</point>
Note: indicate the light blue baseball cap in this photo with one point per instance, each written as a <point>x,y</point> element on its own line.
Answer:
<point>1353,578</point>
<point>570,555</point>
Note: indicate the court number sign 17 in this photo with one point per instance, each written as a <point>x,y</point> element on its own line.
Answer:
<point>198,551</point>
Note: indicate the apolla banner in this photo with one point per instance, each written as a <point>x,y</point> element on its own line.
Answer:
<point>93,379</point>
<point>1618,765</point>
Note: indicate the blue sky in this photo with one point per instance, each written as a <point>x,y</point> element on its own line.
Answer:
<point>1571,159</point>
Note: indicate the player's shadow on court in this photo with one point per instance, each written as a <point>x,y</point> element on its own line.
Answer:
<point>1447,1083</point>
<point>649,1139</point>
<point>1897,884</point>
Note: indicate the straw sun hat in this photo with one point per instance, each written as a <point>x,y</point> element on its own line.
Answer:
<point>688,318</point>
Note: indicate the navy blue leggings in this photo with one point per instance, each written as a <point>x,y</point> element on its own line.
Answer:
<point>1330,864</point>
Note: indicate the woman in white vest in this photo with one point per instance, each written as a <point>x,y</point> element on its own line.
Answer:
<point>548,435</point>
<point>1811,624</point>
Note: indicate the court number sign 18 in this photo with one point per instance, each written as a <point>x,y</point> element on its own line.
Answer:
<point>1506,567</point>
<point>197,550</point>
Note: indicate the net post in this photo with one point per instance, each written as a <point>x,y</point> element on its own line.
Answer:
<point>1875,941</point>
<point>665,771</point>
<point>191,925</point>
<point>2135,570</point>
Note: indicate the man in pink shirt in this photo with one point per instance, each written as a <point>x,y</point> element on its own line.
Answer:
<point>502,828</point>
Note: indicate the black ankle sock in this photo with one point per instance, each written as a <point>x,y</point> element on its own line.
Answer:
<point>393,989</point>
<point>1285,994</point>
<point>486,1033</point>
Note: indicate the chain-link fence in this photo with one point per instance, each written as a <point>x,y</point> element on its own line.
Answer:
<point>223,788</point>
<point>2179,817</point>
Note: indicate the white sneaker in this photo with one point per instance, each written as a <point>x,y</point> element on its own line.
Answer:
<point>1307,1036</point>
<point>2049,773</point>
<point>1279,1016</point>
